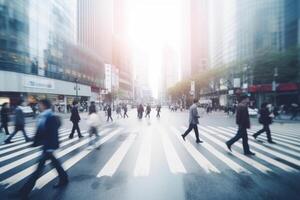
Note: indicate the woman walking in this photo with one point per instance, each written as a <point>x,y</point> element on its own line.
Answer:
<point>265,119</point>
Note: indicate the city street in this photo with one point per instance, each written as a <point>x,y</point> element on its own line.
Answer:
<point>147,159</point>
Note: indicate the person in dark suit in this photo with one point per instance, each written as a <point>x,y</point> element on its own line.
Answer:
<point>109,113</point>
<point>47,137</point>
<point>75,118</point>
<point>243,121</point>
<point>125,110</point>
<point>4,118</point>
<point>19,124</point>
<point>265,120</point>
<point>193,122</point>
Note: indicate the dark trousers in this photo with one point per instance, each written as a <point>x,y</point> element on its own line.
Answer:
<point>266,129</point>
<point>158,114</point>
<point>241,133</point>
<point>147,114</point>
<point>191,127</point>
<point>125,114</point>
<point>26,189</point>
<point>75,127</point>
<point>5,126</point>
<point>109,117</point>
<point>17,129</point>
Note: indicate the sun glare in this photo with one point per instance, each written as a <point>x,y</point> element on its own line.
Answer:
<point>152,25</point>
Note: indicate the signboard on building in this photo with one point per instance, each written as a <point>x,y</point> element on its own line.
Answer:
<point>37,82</point>
<point>236,82</point>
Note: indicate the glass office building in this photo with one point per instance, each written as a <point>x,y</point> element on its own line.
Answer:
<point>38,49</point>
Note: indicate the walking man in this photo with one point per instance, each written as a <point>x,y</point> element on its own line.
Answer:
<point>148,111</point>
<point>93,121</point>
<point>19,124</point>
<point>4,118</point>
<point>265,120</point>
<point>243,122</point>
<point>109,113</point>
<point>158,108</point>
<point>125,110</point>
<point>193,122</point>
<point>75,118</point>
<point>47,137</point>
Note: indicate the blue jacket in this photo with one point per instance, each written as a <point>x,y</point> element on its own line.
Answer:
<point>47,131</point>
<point>19,117</point>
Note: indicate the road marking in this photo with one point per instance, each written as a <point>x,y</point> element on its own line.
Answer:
<point>175,164</point>
<point>260,155</point>
<point>270,151</point>
<point>143,162</point>
<point>205,164</point>
<point>230,163</point>
<point>49,176</point>
<point>113,164</point>
<point>242,157</point>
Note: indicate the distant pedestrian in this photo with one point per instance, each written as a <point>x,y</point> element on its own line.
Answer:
<point>47,137</point>
<point>75,118</point>
<point>92,107</point>
<point>140,110</point>
<point>93,122</point>
<point>125,110</point>
<point>265,120</point>
<point>19,124</point>
<point>4,118</point>
<point>158,108</point>
<point>243,122</point>
<point>193,122</point>
<point>109,113</point>
<point>148,111</point>
<point>118,111</point>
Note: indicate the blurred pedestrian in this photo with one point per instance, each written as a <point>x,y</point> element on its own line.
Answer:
<point>109,113</point>
<point>47,137</point>
<point>19,124</point>
<point>4,118</point>
<point>140,110</point>
<point>148,111</point>
<point>75,118</point>
<point>243,122</point>
<point>125,110</point>
<point>294,108</point>
<point>93,122</point>
<point>193,122</point>
<point>265,119</point>
<point>118,111</point>
<point>158,108</point>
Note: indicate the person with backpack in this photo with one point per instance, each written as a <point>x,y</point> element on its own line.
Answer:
<point>47,137</point>
<point>265,119</point>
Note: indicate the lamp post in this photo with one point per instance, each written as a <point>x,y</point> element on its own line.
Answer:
<point>76,88</point>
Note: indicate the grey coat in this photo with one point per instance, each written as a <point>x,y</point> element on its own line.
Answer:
<point>194,116</point>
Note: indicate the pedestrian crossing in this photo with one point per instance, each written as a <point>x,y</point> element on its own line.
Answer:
<point>18,159</point>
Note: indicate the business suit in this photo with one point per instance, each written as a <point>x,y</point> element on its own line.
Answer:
<point>193,122</point>
<point>4,119</point>
<point>47,136</point>
<point>19,125</point>
<point>75,118</point>
<point>243,122</point>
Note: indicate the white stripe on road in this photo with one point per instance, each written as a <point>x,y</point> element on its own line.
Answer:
<point>10,181</point>
<point>175,164</point>
<point>143,162</point>
<point>259,155</point>
<point>270,151</point>
<point>113,164</point>
<point>205,164</point>
<point>230,163</point>
<point>242,157</point>
<point>49,176</point>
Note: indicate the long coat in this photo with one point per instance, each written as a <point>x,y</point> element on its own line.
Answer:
<point>242,116</point>
<point>75,115</point>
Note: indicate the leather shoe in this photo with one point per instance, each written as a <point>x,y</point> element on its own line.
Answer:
<point>249,153</point>
<point>228,146</point>
<point>183,137</point>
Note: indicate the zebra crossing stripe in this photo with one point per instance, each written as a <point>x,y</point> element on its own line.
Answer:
<point>230,163</point>
<point>10,181</point>
<point>49,176</point>
<point>113,164</point>
<point>143,162</point>
<point>205,164</point>
<point>175,164</point>
<point>260,155</point>
<point>242,157</point>
<point>283,132</point>
<point>275,153</point>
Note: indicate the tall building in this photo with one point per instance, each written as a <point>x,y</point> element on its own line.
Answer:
<point>39,56</point>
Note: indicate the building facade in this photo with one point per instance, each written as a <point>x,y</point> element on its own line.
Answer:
<point>39,56</point>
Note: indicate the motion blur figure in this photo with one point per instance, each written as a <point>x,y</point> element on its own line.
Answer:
<point>265,119</point>
<point>148,111</point>
<point>75,118</point>
<point>4,118</point>
<point>158,108</point>
<point>19,124</point>
<point>93,121</point>
<point>109,114</point>
<point>125,110</point>
<point>243,122</point>
<point>47,137</point>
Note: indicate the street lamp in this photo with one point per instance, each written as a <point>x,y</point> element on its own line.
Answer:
<point>76,88</point>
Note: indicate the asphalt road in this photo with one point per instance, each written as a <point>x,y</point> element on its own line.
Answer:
<point>147,159</point>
